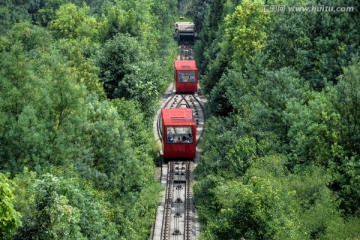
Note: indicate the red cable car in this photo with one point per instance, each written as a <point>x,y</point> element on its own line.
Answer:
<point>178,132</point>
<point>186,76</point>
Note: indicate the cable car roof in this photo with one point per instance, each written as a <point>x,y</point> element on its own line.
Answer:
<point>185,65</point>
<point>177,117</point>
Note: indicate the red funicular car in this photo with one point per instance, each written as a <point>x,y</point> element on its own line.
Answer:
<point>178,132</point>
<point>186,76</point>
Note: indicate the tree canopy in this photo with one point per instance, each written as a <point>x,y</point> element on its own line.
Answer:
<point>80,82</point>
<point>280,155</point>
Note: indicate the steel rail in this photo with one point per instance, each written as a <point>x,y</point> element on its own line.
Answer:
<point>165,228</point>
<point>203,116</point>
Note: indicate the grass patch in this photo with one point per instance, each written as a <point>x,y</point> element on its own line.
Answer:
<point>184,19</point>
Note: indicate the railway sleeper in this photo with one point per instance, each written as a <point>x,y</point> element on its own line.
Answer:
<point>179,181</point>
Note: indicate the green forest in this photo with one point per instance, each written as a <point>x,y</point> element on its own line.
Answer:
<point>80,82</point>
<point>281,151</point>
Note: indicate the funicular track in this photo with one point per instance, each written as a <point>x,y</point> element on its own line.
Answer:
<point>176,217</point>
<point>178,206</point>
<point>186,50</point>
<point>178,211</point>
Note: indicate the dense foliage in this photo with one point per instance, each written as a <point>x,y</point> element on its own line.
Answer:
<point>80,83</point>
<point>281,153</point>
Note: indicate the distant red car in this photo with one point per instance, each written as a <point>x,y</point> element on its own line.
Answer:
<point>186,76</point>
<point>178,132</point>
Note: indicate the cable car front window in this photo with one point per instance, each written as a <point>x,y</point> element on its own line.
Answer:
<point>179,135</point>
<point>187,76</point>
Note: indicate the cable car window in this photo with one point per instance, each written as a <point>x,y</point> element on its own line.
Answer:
<point>186,76</point>
<point>179,135</point>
